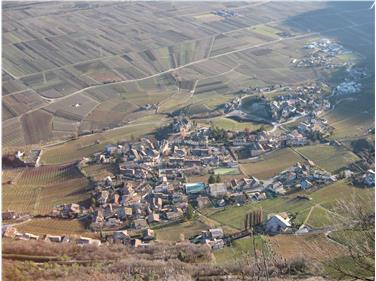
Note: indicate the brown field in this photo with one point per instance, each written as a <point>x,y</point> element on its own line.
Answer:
<point>37,126</point>
<point>46,175</point>
<point>55,227</point>
<point>315,247</point>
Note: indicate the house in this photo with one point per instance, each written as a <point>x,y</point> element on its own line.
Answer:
<point>305,184</point>
<point>153,218</point>
<point>30,236</point>
<point>369,178</point>
<point>53,238</point>
<point>216,233</point>
<point>174,215</point>
<point>276,224</point>
<point>217,189</point>
<point>135,243</point>
<point>88,241</point>
<point>148,234</point>
<point>124,213</point>
<point>120,235</point>
<point>139,224</point>
<point>203,201</point>
<point>9,215</point>
<point>215,244</point>
<point>8,231</point>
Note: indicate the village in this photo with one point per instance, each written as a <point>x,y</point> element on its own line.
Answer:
<point>151,189</point>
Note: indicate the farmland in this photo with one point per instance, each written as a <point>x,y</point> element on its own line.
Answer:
<point>197,59</point>
<point>308,246</point>
<point>38,190</point>
<point>55,227</point>
<point>330,158</point>
<point>270,164</point>
<point>87,145</point>
<point>327,197</point>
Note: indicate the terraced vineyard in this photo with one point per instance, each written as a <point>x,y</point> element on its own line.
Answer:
<point>48,175</point>
<point>39,190</point>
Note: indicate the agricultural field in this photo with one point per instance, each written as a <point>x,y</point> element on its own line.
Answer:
<point>85,146</point>
<point>39,190</point>
<point>327,157</point>
<point>326,197</point>
<point>176,232</point>
<point>46,175</point>
<point>55,227</point>
<point>77,72</point>
<point>351,121</point>
<point>229,124</point>
<point>270,164</point>
<point>240,249</point>
<point>315,247</point>
<point>226,171</point>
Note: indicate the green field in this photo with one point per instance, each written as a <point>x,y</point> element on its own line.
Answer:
<point>327,157</point>
<point>229,124</point>
<point>327,197</point>
<point>226,171</point>
<point>271,164</point>
<point>238,251</point>
<point>187,229</point>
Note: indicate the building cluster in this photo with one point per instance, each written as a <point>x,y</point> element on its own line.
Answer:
<point>225,13</point>
<point>300,176</point>
<point>232,105</point>
<point>347,88</point>
<point>301,101</point>
<point>212,237</point>
<point>30,159</point>
<point>320,54</point>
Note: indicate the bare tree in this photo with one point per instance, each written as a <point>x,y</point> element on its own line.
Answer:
<point>357,234</point>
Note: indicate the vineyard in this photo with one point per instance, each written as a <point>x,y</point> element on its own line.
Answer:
<point>46,175</point>
<point>54,227</point>
<point>39,190</point>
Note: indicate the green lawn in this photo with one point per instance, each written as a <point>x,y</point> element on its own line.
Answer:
<point>229,124</point>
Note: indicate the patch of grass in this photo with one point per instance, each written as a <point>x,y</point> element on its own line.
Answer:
<point>320,218</point>
<point>229,124</point>
<point>173,233</point>
<point>226,171</point>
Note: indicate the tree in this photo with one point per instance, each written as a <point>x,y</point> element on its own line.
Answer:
<point>357,234</point>
<point>190,212</point>
<point>211,179</point>
<point>217,179</point>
